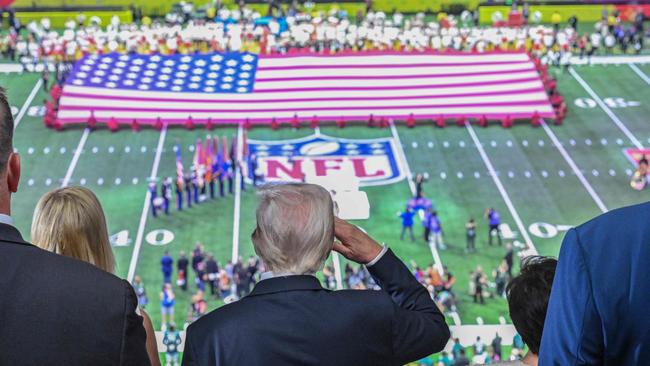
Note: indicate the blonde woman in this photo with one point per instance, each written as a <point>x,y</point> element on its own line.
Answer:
<point>70,221</point>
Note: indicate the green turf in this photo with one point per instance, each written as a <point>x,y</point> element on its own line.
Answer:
<point>536,177</point>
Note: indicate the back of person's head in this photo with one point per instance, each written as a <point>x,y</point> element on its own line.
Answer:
<point>70,221</point>
<point>295,227</point>
<point>9,162</point>
<point>6,131</point>
<point>528,295</point>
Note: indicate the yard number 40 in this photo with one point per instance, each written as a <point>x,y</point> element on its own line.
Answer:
<point>154,237</point>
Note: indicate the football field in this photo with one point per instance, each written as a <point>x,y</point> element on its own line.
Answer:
<point>541,180</point>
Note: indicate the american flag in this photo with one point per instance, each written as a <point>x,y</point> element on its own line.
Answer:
<point>234,87</point>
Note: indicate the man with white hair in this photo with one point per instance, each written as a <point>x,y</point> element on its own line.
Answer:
<point>289,319</point>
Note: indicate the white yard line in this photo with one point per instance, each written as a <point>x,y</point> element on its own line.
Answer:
<point>530,250</point>
<point>605,108</point>
<point>409,175</point>
<point>146,207</point>
<point>641,74</point>
<point>337,270</point>
<point>610,60</point>
<point>437,262</point>
<point>317,131</point>
<point>75,158</point>
<point>236,211</point>
<point>27,103</point>
<point>574,167</point>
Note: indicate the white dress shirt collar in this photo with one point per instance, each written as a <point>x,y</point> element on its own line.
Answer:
<point>269,274</point>
<point>6,219</point>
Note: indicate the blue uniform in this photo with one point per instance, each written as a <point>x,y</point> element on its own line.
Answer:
<point>167,264</point>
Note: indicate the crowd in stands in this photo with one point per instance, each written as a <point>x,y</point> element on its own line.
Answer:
<point>293,30</point>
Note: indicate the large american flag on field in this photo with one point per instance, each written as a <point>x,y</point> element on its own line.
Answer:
<point>234,87</point>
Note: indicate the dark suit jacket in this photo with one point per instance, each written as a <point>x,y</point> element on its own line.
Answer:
<point>599,310</point>
<point>294,321</point>
<point>56,310</point>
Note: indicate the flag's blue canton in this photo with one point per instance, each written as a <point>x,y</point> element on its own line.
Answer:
<point>232,72</point>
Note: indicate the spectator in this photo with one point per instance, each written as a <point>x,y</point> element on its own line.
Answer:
<point>44,291</point>
<point>171,339</point>
<point>166,266</point>
<point>496,347</point>
<point>294,236</point>
<point>528,296</point>
<point>140,292</point>
<point>181,266</point>
<point>597,314</point>
<point>444,359</point>
<point>167,302</point>
<point>407,222</point>
<point>456,348</point>
<point>478,347</point>
<point>461,360</point>
<point>70,221</point>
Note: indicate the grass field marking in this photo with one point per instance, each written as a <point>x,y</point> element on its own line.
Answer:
<point>337,270</point>
<point>28,102</point>
<point>75,158</point>
<point>641,74</point>
<point>531,250</point>
<point>605,108</point>
<point>437,262</point>
<point>238,182</point>
<point>574,167</point>
<point>145,207</point>
<point>317,131</point>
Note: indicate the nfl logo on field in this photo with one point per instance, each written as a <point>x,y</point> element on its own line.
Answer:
<point>372,161</point>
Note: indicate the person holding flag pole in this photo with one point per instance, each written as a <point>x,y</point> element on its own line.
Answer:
<point>209,179</point>
<point>179,177</point>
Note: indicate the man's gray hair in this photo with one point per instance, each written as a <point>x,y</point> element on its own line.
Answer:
<point>295,227</point>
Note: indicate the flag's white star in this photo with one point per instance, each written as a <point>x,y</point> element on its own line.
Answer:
<point>213,75</point>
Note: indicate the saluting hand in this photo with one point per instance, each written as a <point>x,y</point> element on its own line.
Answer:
<point>353,243</point>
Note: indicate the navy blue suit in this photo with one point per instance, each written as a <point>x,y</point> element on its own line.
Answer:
<point>56,310</point>
<point>294,321</point>
<point>599,310</point>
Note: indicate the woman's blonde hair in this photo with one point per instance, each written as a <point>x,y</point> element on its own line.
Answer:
<point>70,221</point>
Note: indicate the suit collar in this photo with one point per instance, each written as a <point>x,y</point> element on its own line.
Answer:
<point>287,283</point>
<point>11,234</point>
